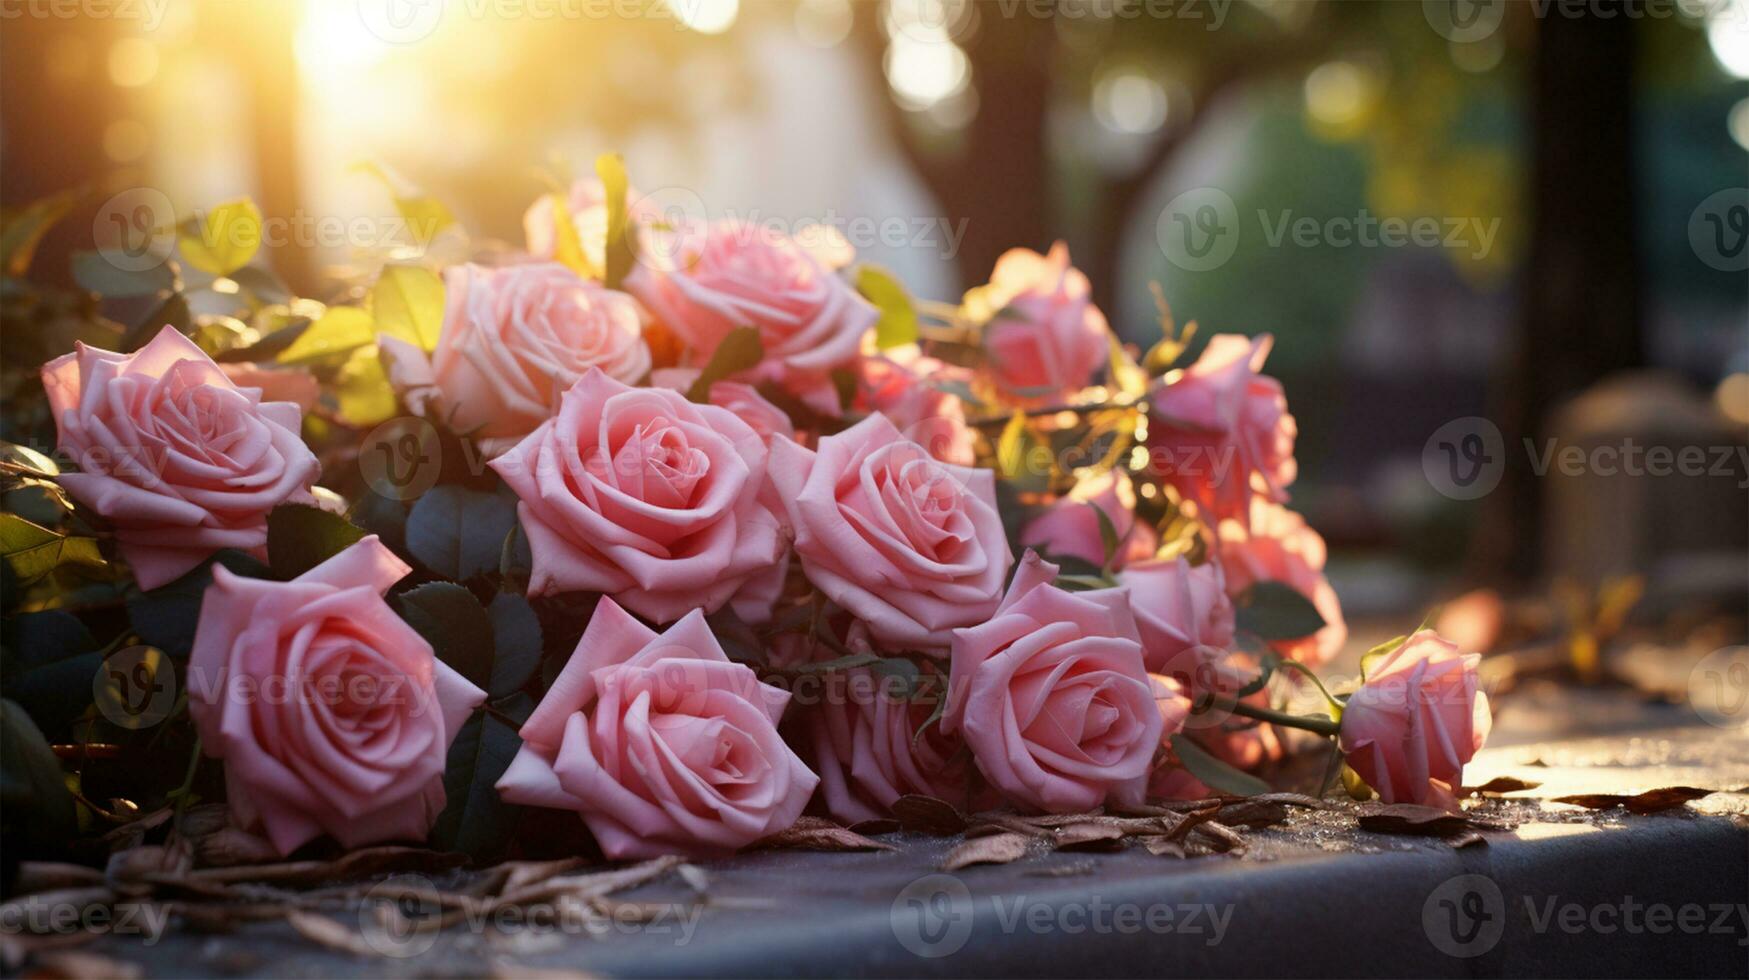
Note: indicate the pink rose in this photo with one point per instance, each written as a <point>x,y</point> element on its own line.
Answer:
<point>1278,546</point>
<point>911,546</point>
<point>1052,696</point>
<point>177,457</point>
<point>278,384</point>
<point>1417,718</point>
<point>331,714</point>
<point>514,338</point>
<point>743,399</point>
<point>1185,619</point>
<point>1045,337</point>
<point>1222,427</point>
<point>730,274</point>
<point>904,385</point>
<point>1170,780</point>
<point>660,743</point>
<point>639,493</point>
<point>1069,528</point>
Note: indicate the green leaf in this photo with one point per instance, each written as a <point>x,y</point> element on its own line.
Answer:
<point>1218,775</point>
<point>51,659</point>
<point>1126,375</point>
<point>1370,657</point>
<point>516,636</point>
<point>263,285</point>
<point>1018,452</point>
<point>1109,539</point>
<point>28,458</point>
<point>459,533</point>
<point>901,673</point>
<point>22,229</point>
<point>407,302</point>
<point>165,617</point>
<point>96,273</point>
<point>338,330</point>
<point>425,215</point>
<point>739,351</point>
<point>300,537</point>
<point>33,551</point>
<point>173,312</point>
<point>222,240</point>
<point>362,389</point>
<point>455,624</point>
<point>898,323</point>
<point>567,243</point>
<point>35,805</point>
<point>1277,611</point>
<point>611,168</point>
<point>475,820</point>
<point>515,561</point>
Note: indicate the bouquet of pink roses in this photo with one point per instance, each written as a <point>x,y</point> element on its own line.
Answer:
<point>685,527</point>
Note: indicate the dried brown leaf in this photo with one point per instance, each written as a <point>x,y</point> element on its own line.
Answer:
<point>1090,835</point>
<point>593,885</point>
<point>817,834</point>
<point>1498,786</point>
<point>355,864</point>
<point>42,876</point>
<point>1411,818</point>
<point>1164,847</point>
<point>1254,814</point>
<point>1178,825</point>
<point>928,815</point>
<point>1651,801</point>
<point>875,827</point>
<point>995,849</point>
<point>230,846</point>
<point>1290,799</point>
<point>1220,837</point>
<point>78,964</point>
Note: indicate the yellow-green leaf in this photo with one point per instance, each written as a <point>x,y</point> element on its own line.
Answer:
<point>222,240</point>
<point>363,389</point>
<point>1021,457</point>
<point>339,329</point>
<point>407,302</point>
<point>425,215</point>
<point>567,243</point>
<point>22,228</point>
<point>34,551</point>
<point>898,323</point>
<point>617,255</point>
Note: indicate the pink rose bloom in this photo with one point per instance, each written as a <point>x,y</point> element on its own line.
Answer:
<point>1185,619</point>
<point>179,459</point>
<point>911,546</point>
<point>278,384</point>
<point>1417,718</point>
<point>743,399</point>
<point>514,338</point>
<point>1278,546</point>
<point>1052,697</point>
<point>730,274</point>
<point>1045,337</point>
<point>1069,528</point>
<point>660,743</point>
<point>1170,780</point>
<point>331,714</point>
<point>640,494</point>
<point>903,384</point>
<point>1222,429</point>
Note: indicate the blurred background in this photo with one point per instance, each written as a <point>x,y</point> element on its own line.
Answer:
<point>1468,223</point>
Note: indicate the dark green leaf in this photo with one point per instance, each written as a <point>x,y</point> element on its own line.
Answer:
<point>35,806</point>
<point>739,351</point>
<point>459,533</point>
<point>900,673</point>
<point>1276,611</point>
<point>475,820</point>
<point>300,537</point>
<point>100,274</point>
<point>173,312</point>
<point>515,560</point>
<point>516,638</point>
<point>455,624</point>
<point>165,617</point>
<point>262,284</point>
<point>51,659</point>
<point>1218,775</point>
<point>33,639</point>
<point>898,323</point>
<point>1108,536</point>
<point>611,168</point>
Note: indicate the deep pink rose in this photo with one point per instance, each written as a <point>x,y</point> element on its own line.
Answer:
<point>1069,528</point>
<point>1052,698</point>
<point>331,714</point>
<point>1222,427</point>
<point>1045,337</point>
<point>1185,618</point>
<point>1277,545</point>
<point>660,743</point>
<point>514,339</point>
<point>645,496</point>
<point>1417,718</point>
<point>713,278</point>
<point>175,455</point>
<point>906,386</point>
<point>911,546</point>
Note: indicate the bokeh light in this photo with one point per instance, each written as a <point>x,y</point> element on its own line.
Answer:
<point>1129,101</point>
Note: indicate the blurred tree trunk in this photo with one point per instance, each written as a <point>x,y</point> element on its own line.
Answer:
<point>1580,318</point>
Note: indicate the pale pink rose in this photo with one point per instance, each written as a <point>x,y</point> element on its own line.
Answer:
<point>514,339</point>
<point>911,546</point>
<point>1185,618</point>
<point>1221,429</point>
<point>1070,529</point>
<point>179,459</point>
<point>1045,337</point>
<point>1052,697</point>
<point>587,204</point>
<point>278,384</point>
<point>743,399</point>
<point>713,278</point>
<point>640,494</point>
<point>1277,545</point>
<point>1170,780</point>
<point>1417,718</point>
<point>331,714</point>
<point>660,743</point>
<point>905,385</point>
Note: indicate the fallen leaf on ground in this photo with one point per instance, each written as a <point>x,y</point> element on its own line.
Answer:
<point>994,849</point>
<point>76,964</point>
<point>1220,837</point>
<point>1254,814</point>
<point>818,834</point>
<point>1089,836</point>
<point>876,826</point>
<point>1425,821</point>
<point>1164,847</point>
<point>1498,785</point>
<point>1651,801</point>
